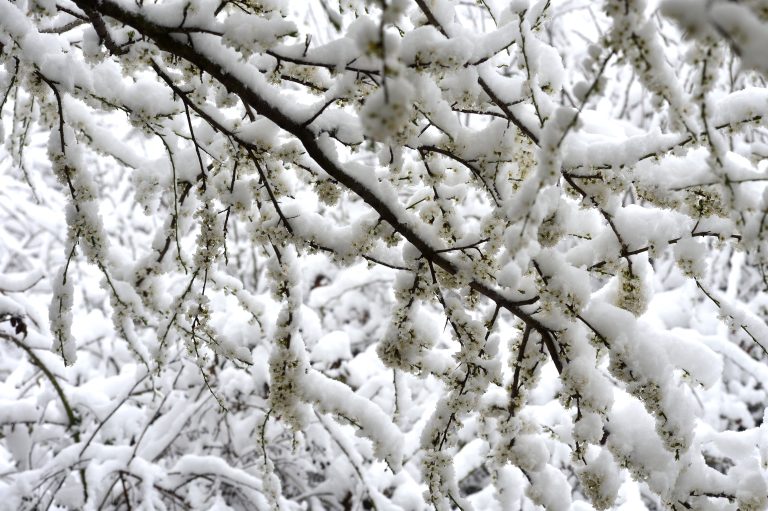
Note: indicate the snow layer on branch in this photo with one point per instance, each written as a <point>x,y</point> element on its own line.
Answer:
<point>332,396</point>
<point>336,54</point>
<point>79,117</point>
<point>247,33</point>
<point>426,46</point>
<point>19,282</point>
<point>331,349</point>
<point>196,465</point>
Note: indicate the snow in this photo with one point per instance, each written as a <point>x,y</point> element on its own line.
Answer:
<point>335,397</point>
<point>393,254</point>
<point>245,31</point>
<point>331,348</point>
<point>426,46</point>
<point>19,282</point>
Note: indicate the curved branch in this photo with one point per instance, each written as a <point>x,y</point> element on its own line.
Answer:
<point>72,419</point>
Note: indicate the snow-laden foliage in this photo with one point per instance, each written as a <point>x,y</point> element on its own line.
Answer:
<point>391,254</point>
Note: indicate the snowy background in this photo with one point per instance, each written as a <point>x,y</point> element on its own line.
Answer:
<point>391,255</point>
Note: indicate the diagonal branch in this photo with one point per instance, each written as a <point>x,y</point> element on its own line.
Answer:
<point>166,41</point>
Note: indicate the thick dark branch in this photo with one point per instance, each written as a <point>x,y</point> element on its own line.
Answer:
<point>104,36</point>
<point>181,48</point>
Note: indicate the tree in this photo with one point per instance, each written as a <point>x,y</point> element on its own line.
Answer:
<point>382,255</point>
